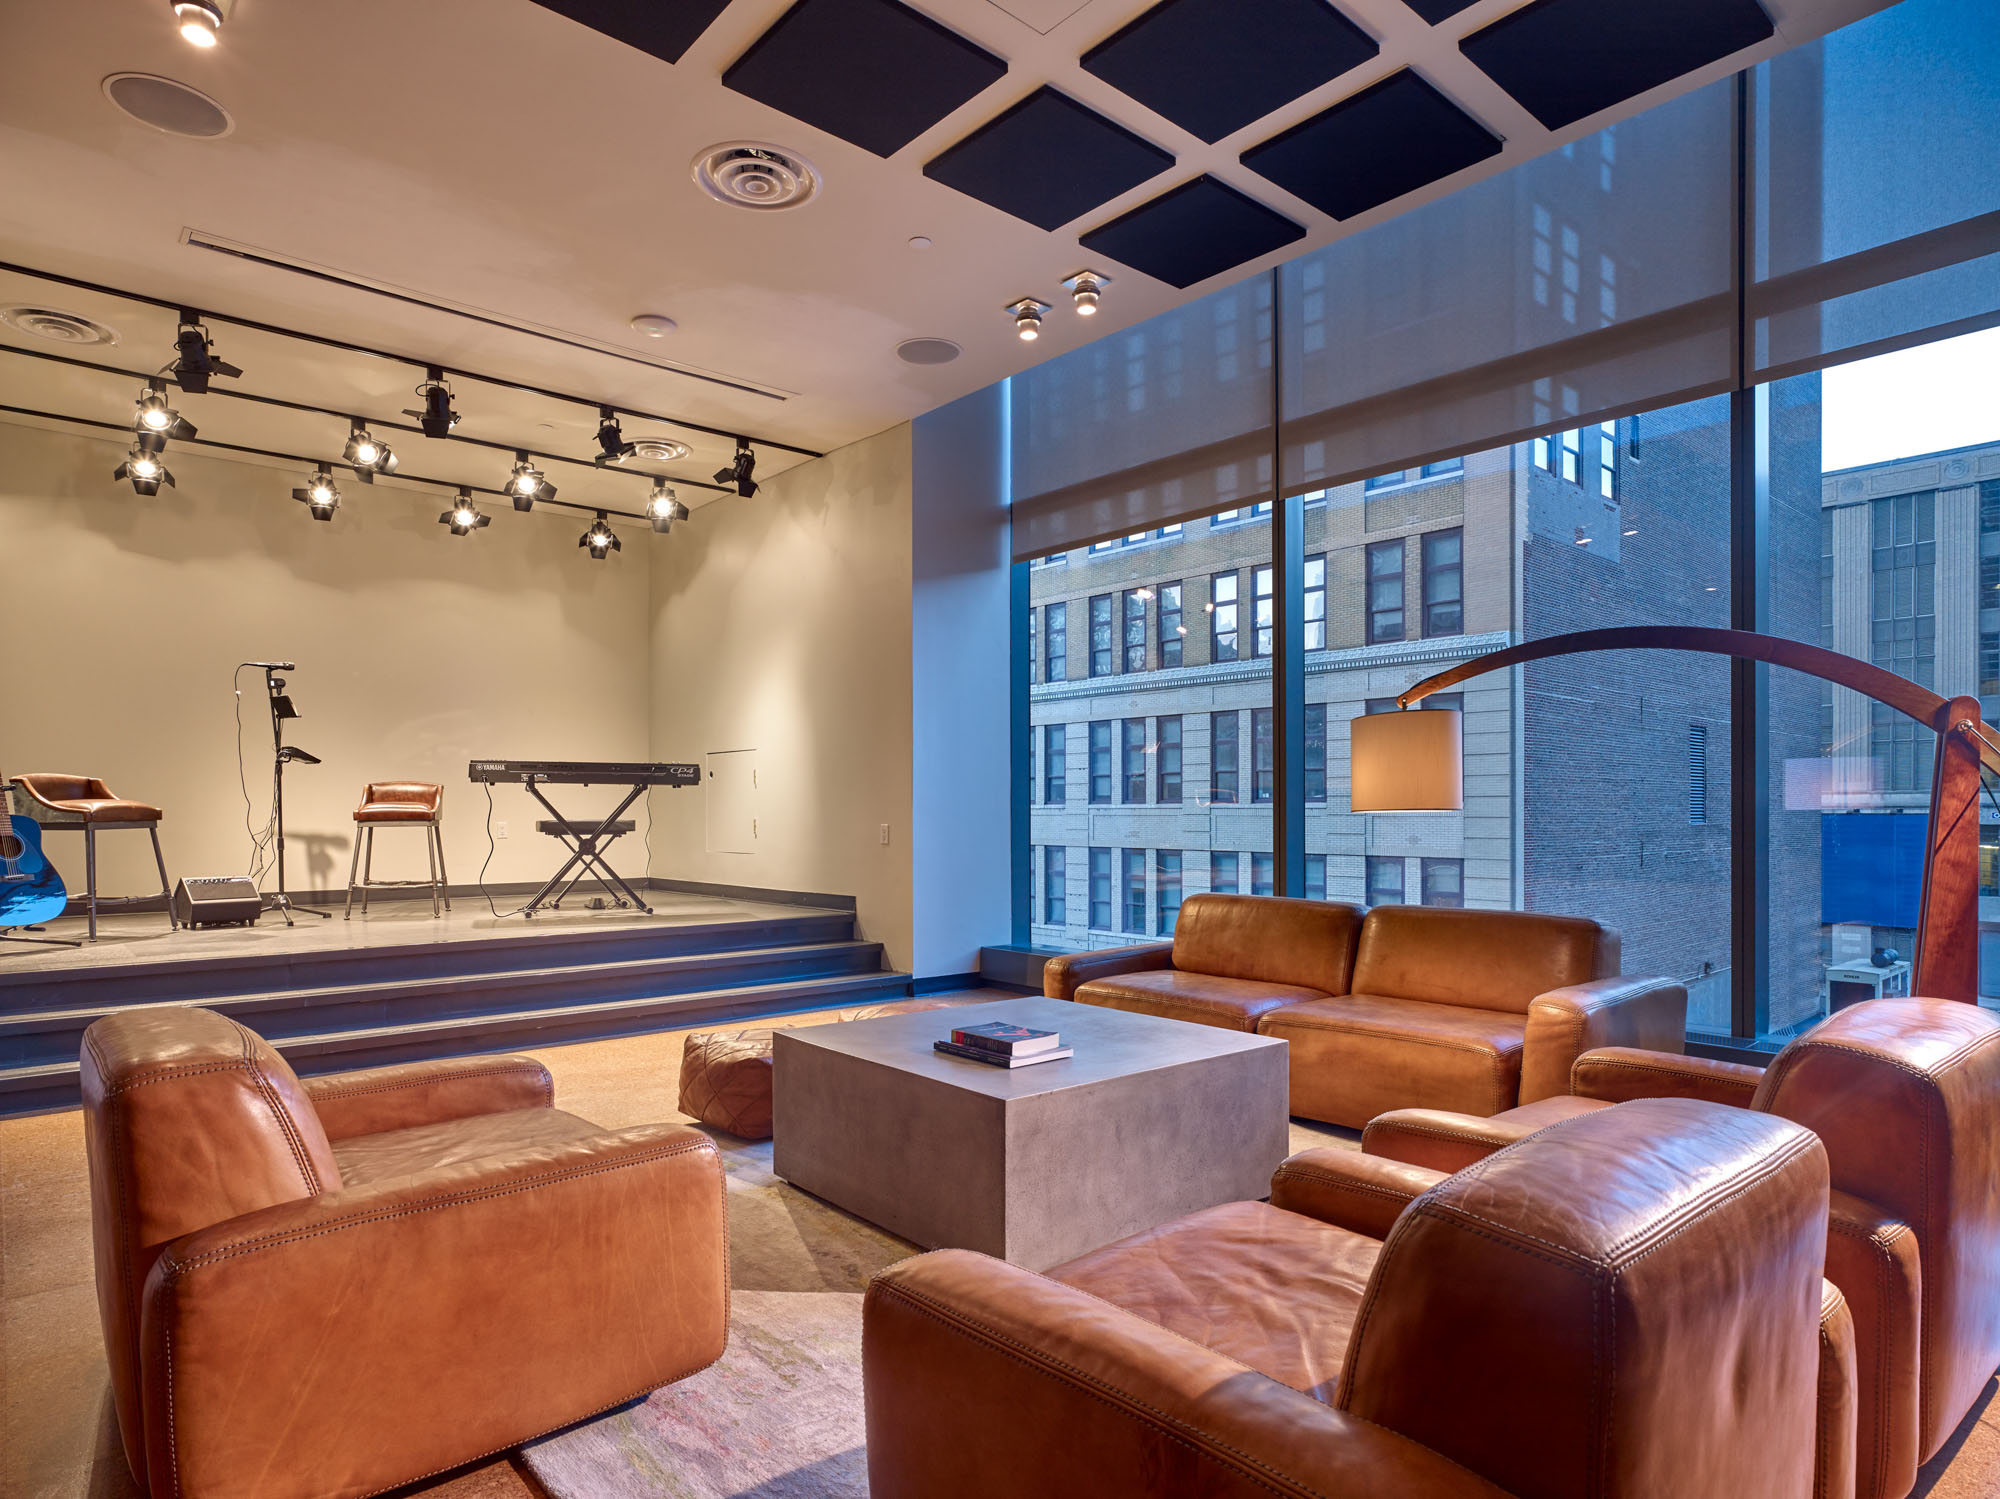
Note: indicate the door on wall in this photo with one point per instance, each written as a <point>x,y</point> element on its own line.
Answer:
<point>732,801</point>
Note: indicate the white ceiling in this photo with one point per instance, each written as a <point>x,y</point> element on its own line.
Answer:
<point>495,155</point>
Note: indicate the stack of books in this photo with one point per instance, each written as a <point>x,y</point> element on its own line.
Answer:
<point>1000,1045</point>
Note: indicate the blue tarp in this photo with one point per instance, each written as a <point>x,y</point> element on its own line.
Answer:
<point>1871,867</point>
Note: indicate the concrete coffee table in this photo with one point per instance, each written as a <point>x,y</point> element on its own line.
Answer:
<point>1149,1120</point>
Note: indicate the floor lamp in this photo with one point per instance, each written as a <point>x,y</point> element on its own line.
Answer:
<point>1412,762</point>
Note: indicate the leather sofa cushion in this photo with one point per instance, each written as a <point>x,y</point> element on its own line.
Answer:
<point>1488,960</point>
<point>1275,1290</point>
<point>1358,1055</point>
<point>1206,999</point>
<point>1305,943</point>
<point>407,1152</point>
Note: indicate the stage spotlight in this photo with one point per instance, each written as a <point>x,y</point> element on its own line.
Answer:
<point>612,446</point>
<point>663,508</point>
<point>144,467</point>
<point>366,453</point>
<point>319,495</point>
<point>437,418</point>
<point>1028,318</point>
<point>525,484</point>
<point>1086,288</point>
<point>740,470</point>
<point>199,20</point>
<point>156,416</point>
<point>464,517</point>
<point>600,538</point>
<point>195,362</point>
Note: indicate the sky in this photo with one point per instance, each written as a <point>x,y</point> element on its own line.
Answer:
<point>1922,400</point>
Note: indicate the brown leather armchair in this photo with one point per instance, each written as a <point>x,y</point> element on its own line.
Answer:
<point>1378,1329</point>
<point>346,1284</point>
<point>1905,1093</point>
<point>1401,1006</point>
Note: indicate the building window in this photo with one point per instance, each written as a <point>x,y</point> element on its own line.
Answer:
<point>1444,582</point>
<point>1697,774</point>
<point>1263,756</point>
<point>1315,603</point>
<point>1262,871</point>
<point>1315,876</point>
<point>1439,470</point>
<point>1032,782</point>
<point>1444,882</point>
<point>1100,635</point>
<point>1100,889</point>
<point>1133,748</point>
<point>1055,643</point>
<point>1226,517</point>
<point>1904,629</point>
<point>1172,631</point>
<point>1572,455</point>
<point>1055,790</point>
<point>1034,645</point>
<point>1135,891</point>
<point>1260,609</point>
<point>1386,481</point>
<point>1607,460</point>
<point>1055,893</point>
<point>1385,592</point>
<point>1167,877</point>
<point>1315,752</point>
<point>1452,700</point>
<point>1542,453</point>
<point>1134,654</point>
<point>1222,758</point>
<point>1222,617</point>
<point>1385,881</point>
<point>1168,771</point>
<point>1100,762</point>
<point>1222,873</point>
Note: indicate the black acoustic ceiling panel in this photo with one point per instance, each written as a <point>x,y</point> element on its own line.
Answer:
<point>1391,138</point>
<point>665,28</point>
<point>1565,59</point>
<point>1213,66</point>
<point>1199,229</point>
<point>1435,11</point>
<point>872,72</point>
<point>1047,160</point>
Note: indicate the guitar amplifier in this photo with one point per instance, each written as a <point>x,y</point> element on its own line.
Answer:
<point>217,900</point>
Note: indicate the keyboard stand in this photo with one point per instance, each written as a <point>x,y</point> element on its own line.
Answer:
<point>586,846</point>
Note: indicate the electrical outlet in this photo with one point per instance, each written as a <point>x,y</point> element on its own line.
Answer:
<point>499,830</point>
<point>885,832</point>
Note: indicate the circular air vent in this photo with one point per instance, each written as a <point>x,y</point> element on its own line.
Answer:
<point>56,325</point>
<point>659,449</point>
<point>750,174</point>
<point>927,351</point>
<point>167,105</point>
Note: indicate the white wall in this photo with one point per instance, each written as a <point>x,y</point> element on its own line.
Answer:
<point>122,617</point>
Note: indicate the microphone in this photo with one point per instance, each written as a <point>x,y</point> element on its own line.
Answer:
<point>274,665</point>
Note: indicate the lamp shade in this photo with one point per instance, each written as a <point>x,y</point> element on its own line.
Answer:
<point>1408,762</point>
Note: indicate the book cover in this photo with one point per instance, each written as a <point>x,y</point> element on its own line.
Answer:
<point>1001,1059</point>
<point>1012,1040</point>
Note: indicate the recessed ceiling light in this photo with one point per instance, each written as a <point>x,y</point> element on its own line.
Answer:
<point>653,325</point>
<point>920,242</point>
<point>168,106</point>
<point>927,351</point>
<point>1086,288</point>
<point>754,174</point>
<point>1028,318</point>
<point>199,21</point>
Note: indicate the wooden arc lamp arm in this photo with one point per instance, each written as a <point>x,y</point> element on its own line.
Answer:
<point>1947,958</point>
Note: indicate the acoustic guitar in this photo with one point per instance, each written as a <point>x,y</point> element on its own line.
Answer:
<point>31,891</point>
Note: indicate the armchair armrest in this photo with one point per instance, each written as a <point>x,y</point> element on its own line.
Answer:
<point>1364,1194</point>
<point>1618,1074</point>
<point>1873,1259</point>
<point>376,1099</point>
<point>1062,974</point>
<point>1565,1023</point>
<point>1445,1142</point>
<point>445,1315</point>
<point>1095,1400</point>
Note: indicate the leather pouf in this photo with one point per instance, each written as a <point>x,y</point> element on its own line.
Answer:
<point>726,1081</point>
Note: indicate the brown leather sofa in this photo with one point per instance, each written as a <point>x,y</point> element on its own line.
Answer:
<point>345,1284</point>
<point>1401,1006</point>
<point>1627,1304</point>
<point>1905,1093</point>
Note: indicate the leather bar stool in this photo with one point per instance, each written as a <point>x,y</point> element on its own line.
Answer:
<point>88,805</point>
<point>415,804</point>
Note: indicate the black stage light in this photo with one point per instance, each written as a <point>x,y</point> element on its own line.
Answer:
<point>663,508</point>
<point>319,494</point>
<point>464,517</point>
<point>366,453</point>
<point>144,467</point>
<point>740,470</point>
<point>525,484</point>
<point>196,362</point>
<point>600,538</point>
<point>613,448</point>
<point>157,417</point>
<point>437,418</point>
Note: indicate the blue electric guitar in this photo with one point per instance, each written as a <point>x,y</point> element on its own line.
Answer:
<point>30,889</point>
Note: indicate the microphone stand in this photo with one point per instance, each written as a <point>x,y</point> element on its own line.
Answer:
<point>282,754</point>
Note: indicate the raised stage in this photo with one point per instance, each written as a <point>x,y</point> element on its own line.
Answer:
<point>396,983</point>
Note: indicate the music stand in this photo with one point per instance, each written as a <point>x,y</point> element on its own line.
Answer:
<point>283,754</point>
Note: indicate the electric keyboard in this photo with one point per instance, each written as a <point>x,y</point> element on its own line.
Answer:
<point>584,772</point>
